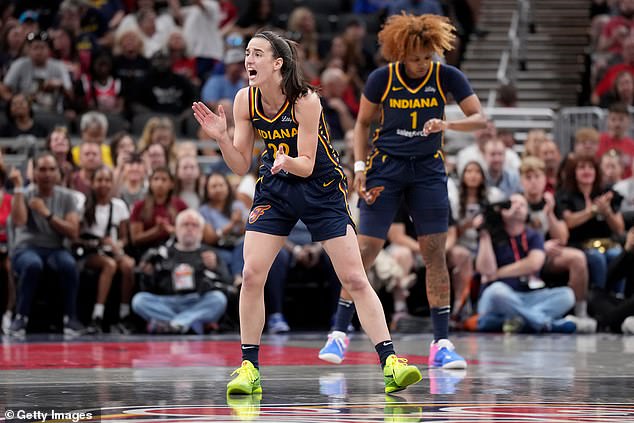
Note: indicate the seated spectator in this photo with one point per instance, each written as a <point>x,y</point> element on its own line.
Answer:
<point>223,88</point>
<point>616,137</point>
<point>152,219</point>
<point>163,91</point>
<point>12,43</point>
<point>258,14</point>
<point>228,217</point>
<point>5,267</point>
<point>102,91</point>
<point>186,284</point>
<point>592,216</point>
<point>303,27</point>
<point>93,128</point>
<point>131,186</point>
<point>39,77</point>
<point>611,169</point>
<point>559,258</point>
<point>155,157</point>
<point>613,313</point>
<point>102,240</point>
<point>586,142</point>
<point>43,216</point>
<point>618,28</point>
<point>506,180</point>
<point>627,65</point>
<point>89,162</point>
<point>625,188</point>
<point>475,152</point>
<point>338,115</point>
<point>622,91</point>
<point>58,143</point>
<point>122,147</point>
<point>159,130</point>
<point>549,153</point>
<point>188,183</point>
<point>534,139</point>
<point>20,119</point>
<point>513,299</point>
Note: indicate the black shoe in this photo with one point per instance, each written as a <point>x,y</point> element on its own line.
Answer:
<point>72,327</point>
<point>18,326</point>
<point>125,326</point>
<point>95,326</point>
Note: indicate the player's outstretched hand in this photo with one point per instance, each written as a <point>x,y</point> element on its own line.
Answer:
<point>434,125</point>
<point>214,125</point>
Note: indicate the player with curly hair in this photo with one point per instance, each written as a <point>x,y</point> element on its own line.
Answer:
<point>406,162</point>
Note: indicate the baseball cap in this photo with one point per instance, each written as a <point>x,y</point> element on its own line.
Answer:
<point>234,55</point>
<point>31,15</point>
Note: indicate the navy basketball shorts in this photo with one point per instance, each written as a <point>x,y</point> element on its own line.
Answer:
<point>321,203</point>
<point>419,181</point>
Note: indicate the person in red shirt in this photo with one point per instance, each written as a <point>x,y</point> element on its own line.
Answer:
<point>618,28</point>
<point>627,65</point>
<point>616,137</point>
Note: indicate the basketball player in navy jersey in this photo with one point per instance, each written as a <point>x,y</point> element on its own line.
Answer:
<point>406,162</point>
<point>300,179</point>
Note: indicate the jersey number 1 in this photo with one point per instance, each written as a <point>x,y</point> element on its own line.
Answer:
<point>414,116</point>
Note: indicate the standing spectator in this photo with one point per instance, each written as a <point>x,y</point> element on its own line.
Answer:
<point>223,88</point>
<point>186,282</point>
<point>201,27</point>
<point>616,137</point>
<point>129,64</point>
<point>105,220</point>
<point>20,119</point>
<point>514,299</point>
<point>44,215</point>
<point>43,79</point>
<point>507,180</point>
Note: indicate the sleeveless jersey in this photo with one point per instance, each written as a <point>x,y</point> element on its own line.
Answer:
<point>280,133</point>
<point>404,111</point>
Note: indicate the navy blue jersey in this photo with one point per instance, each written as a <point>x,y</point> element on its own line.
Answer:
<point>280,133</point>
<point>406,104</point>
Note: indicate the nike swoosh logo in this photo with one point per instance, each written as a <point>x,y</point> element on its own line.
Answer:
<point>397,88</point>
<point>328,183</point>
<point>247,348</point>
<point>385,344</point>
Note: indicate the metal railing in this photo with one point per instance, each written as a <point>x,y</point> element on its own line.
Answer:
<point>514,57</point>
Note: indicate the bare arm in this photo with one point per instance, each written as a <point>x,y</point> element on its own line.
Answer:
<point>557,229</point>
<point>68,226</point>
<point>397,235</point>
<point>574,219</point>
<point>140,237</point>
<point>367,111</point>
<point>307,114</point>
<point>19,214</point>
<point>474,120</point>
<point>486,262</point>
<point>236,152</point>
<point>529,265</point>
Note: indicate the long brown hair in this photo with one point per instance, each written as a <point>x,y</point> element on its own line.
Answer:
<point>294,85</point>
<point>149,203</point>
<point>482,189</point>
<point>569,173</point>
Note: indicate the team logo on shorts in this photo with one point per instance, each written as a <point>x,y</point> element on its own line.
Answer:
<point>372,194</point>
<point>257,212</point>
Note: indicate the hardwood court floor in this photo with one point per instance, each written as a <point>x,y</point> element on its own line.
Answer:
<point>519,378</point>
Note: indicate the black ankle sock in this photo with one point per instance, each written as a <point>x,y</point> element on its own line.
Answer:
<point>440,322</point>
<point>384,350</point>
<point>251,352</point>
<point>343,316</point>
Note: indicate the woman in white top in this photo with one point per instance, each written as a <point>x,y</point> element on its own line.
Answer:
<point>104,231</point>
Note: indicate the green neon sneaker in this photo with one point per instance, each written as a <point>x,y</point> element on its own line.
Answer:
<point>398,375</point>
<point>245,407</point>
<point>397,409</point>
<point>247,382</point>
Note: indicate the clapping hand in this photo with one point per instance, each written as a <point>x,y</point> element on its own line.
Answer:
<point>214,125</point>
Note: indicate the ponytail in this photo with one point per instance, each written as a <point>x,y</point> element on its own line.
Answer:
<point>294,85</point>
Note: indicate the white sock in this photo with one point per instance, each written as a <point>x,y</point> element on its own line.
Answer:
<point>581,309</point>
<point>124,310</point>
<point>97,312</point>
<point>338,334</point>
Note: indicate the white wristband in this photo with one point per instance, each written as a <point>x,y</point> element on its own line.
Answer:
<point>359,166</point>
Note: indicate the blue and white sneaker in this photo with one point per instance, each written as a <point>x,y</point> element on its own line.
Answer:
<point>335,349</point>
<point>277,323</point>
<point>443,354</point>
